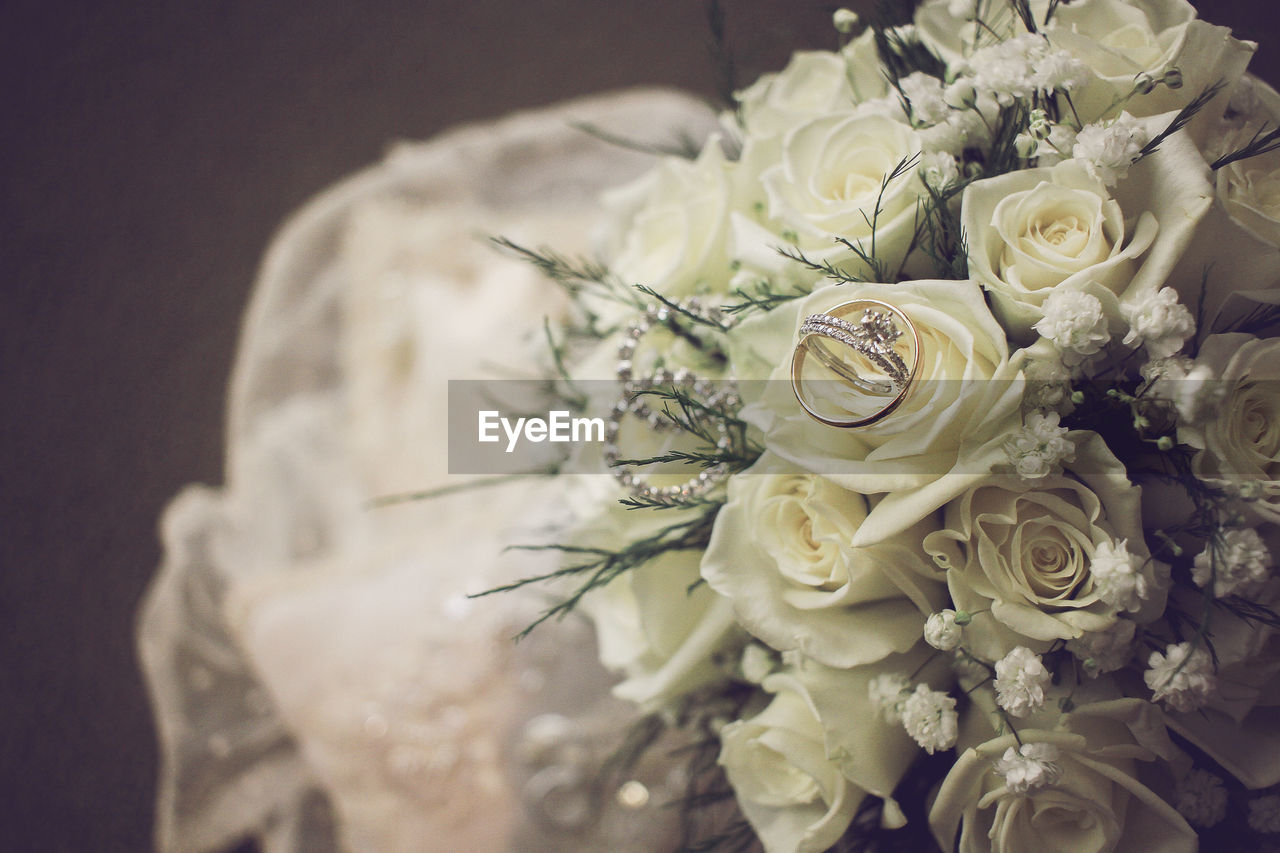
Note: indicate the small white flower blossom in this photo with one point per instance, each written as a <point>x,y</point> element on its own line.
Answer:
<point>1108,148</point>
<point>1116,575</point>
<point>844,20</point>
<point>1076,324</point>
<point>924,93</point>
<point>1264,814</point>
<point>1159,322</point>
<point>1243,563</point>
<point>1021,678</point>
<point>942,631</point>
<point>1182,677</point>
<point>1026,145</point>
<point>1057,70</point>
<point>1201,798</point>
<point>1029,767</point>
<point>1038,124</point>
<point>1185,384</point>
<point>1006,69</point>
<point>1040,447</point>
<point>938,169</point>
<point>929,716</point>
<point>960,95</point>
<point>756,663</point>
<point>887,692</point>
<point>1017,68</point>
<point>962,129</point>
<point>1106,650</point>
<point>1048,385</point>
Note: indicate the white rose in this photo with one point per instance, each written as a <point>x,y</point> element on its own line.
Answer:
<point>1249,189</point>
<point>1091,800</point>
<point>781,552</point>
<point>1240,442</point>
<point>814,83</point>
<point>945,436</point>
<point>1023,551</point>
<point>1120,39</point>
<point>671,224</point>
<point>829,181</point>
<point>1034,230</point>
<point>801,767</point>
<point>655,623</point>
<point>1237,726</point>
<point>1233,262</point>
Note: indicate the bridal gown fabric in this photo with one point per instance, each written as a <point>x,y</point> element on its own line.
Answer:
<point>320,678</point>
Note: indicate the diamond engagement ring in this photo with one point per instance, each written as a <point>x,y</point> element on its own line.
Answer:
<point>854,364</point>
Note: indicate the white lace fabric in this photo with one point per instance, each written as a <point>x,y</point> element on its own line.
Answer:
<point>320,679</point>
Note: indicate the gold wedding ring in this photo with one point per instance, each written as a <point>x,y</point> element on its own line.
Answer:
<point>865,355</point>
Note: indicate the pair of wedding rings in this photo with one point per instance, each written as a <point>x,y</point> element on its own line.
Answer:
<point>855,363</point>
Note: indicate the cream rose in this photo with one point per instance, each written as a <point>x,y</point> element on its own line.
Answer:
<point>829,181</point>
<point>1249,189</point>
<point>1233,262</point>
<point>1022,550</point>
<point>1084,797</point>
<point>781,552</point>
<point>655,623</point>
<point>1239,727</point>
<point>1034,230</point>
<point>1119,39</point>
<point>802,766</point>
<point>671,224</point>
<point>814,83</point>
<point>943,438</point>
<point>1240,444</point>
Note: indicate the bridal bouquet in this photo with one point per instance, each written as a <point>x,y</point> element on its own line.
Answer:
<point>937,494</point>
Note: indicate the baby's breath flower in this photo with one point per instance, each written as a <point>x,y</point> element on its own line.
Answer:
<point>960,95</point>
<point>887,692</point>
<point>1182,677</point>
<point>1057,70</point>
<point>1106,650</point>
<point>1201,798</point>
<point>924,93</point>
<point>1074,321</point>
<point>929,716</point>
<point>938,169</point>
<point>1108,148</point>
<point>1020,681</point>
<point>942,630</point>
<point>1038,124</point>
<point>1243,563</point>
<point>1116,575</point>
<point>1029,767</point>
<point>1159,322</point>
<point>1185,384</point>
<point>1048,384</point>
<point>1038,449</point>
<point>1264,813</point>
<point>844,20</point>
<point>1026,145</point>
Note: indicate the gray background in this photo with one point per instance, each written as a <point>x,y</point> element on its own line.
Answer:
<point>149,151</point>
